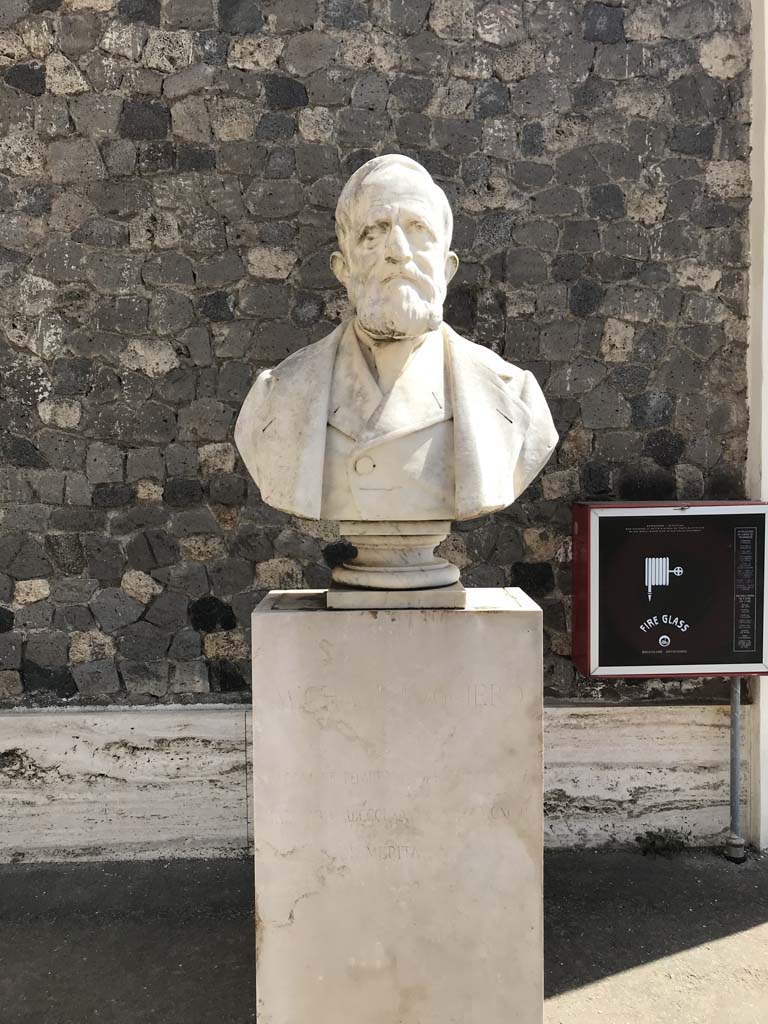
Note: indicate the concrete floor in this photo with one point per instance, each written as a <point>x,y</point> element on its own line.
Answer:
<point>682,940</point>
<point>650,940</point>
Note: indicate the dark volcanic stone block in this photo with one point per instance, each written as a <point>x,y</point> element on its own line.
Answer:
<point>144,119</point>
<point>209,614</point>
<point>28,78</point>
<point>603,24</point>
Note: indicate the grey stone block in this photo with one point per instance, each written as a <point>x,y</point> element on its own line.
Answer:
<point>104,463</point>
<point>189,578</point>
<point>274,200</point>
<point>96,115</point>
<point>31,518</point>
<point>119,157</point>
<point>227,489</point>
<point>10,685</point>
<point>73,590</point>
<point>190,677</point>
<point>168,268</point>
<point>195,522</point>
<point>73,618</point>
<point>284,93</point>
<point>665,447</point>
<point>146,11</point>
<point>168,610</point>
<point>27,77</point>
<point>74,160</point>
<point>605,407</point>
<point>30,562</point>
<point>104,557</point>
<point>73,520</point>
<point>525,266</point>
<point>230,575</point>
<point>557,202</point>
<point>603,24</point>
<point>143,640</point>
<point>170,312</point>
<point>144,119</point>
<point>77,490</point>
<point>281,163</point>
<point>219,271</point>
<point>113,609</point>
<point>651,409</point>
<point>186,645</point>
<point>181,460</point>
<point>150,677</point>
<point>51,683</point>
<point>693,139</point>
<point>95,678</point>
<point>48,649</point>
<point>237,16</point>
<point>585,297</point>
<point>210,46</point>
<point>492,99</point>
<point>183,14</point>
<point>10,650</point>
<point>145,464</point>
<point>34,616</point>
<point>205,420</point>
<point>48,486</point>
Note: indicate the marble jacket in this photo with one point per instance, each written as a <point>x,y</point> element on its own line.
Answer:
<point>317,440</point>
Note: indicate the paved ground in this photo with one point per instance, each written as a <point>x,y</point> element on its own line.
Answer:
<point>651,940</point>
<point>630,939</point>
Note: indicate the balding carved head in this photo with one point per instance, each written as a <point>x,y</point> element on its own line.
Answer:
<point>394,227</point>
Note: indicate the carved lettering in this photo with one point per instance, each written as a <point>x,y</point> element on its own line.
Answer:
<point>392,851</point>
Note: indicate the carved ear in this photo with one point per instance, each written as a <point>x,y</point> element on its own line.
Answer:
<point>451,265</point>
<point>339,267</point>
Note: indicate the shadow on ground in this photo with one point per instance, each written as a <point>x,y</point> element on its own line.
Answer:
<point>138,943</point>
<point>610,911</point>
<point>172,943</point>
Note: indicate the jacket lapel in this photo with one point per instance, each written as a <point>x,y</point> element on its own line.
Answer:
<point>419,398</point>
<point>355,395</point>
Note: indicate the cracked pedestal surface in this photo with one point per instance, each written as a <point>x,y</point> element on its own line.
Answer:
<point>398,811</point>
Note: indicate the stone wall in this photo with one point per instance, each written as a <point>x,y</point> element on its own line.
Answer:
<point>168,173</point>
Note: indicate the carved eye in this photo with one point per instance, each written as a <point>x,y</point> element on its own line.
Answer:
<point>373,231</point>
<point>422,230</point>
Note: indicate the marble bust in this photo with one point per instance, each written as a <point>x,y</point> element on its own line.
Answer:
<point>393,424</point>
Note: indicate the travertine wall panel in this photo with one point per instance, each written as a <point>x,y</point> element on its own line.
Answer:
<point>175,782</point>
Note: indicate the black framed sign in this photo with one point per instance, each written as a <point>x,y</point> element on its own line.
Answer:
<point>670,590</point>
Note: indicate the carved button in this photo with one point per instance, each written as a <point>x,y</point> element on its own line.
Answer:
<point>364,465</point>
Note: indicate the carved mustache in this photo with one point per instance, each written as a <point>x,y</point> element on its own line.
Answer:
<point>413,275</point>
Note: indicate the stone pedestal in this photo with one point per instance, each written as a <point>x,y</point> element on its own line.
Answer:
<point>398,811</point>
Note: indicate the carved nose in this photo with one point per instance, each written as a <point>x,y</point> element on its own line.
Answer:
<point>398,249</point>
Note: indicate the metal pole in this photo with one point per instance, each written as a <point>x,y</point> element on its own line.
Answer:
<point>734,843</point>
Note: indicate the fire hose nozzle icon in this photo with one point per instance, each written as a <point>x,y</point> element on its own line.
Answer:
<point>657,573</point>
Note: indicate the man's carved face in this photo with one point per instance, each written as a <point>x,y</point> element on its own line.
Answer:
<point>396,265</point>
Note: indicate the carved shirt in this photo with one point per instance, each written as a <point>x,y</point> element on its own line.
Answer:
<point>389,453</point>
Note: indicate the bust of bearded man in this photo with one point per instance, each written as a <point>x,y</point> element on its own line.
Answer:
<point>393,424</point>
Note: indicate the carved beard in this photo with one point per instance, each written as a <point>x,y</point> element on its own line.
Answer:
<point>397,309</point>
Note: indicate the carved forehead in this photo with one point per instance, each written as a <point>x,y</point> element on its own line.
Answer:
<point>395,185</point>
<point>391,180</point>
